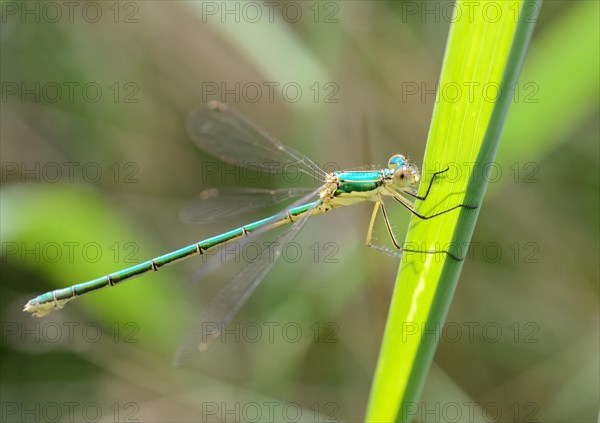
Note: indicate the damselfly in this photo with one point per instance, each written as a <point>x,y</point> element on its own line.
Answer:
<point>227,135</point>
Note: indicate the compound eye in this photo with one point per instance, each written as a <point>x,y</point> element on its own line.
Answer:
<point>400,174</point>
<point>396,161</point>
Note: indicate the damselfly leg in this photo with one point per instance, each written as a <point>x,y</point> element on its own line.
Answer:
<point>398,196</point>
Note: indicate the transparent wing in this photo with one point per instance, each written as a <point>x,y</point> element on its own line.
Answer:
<point>222,203</point>
<point>231,298</point>
<point>214,259</point>
<point>224,133</point>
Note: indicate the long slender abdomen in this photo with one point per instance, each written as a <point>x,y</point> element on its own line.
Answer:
<point>54,300</point>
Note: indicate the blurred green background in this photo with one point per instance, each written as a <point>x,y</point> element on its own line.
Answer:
<point>96,166</point>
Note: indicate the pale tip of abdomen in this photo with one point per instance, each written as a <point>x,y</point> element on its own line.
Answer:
<point>33,306</point>
<point>38,309</point>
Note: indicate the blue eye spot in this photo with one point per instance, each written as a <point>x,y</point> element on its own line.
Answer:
<point>396,161</point>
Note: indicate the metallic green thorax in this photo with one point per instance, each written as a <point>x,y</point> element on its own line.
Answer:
<point>360,181</point>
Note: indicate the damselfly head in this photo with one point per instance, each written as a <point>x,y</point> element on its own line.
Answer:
<point>406,173</point>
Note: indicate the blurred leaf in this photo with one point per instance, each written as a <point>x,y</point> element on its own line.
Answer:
<point>553,95</point>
